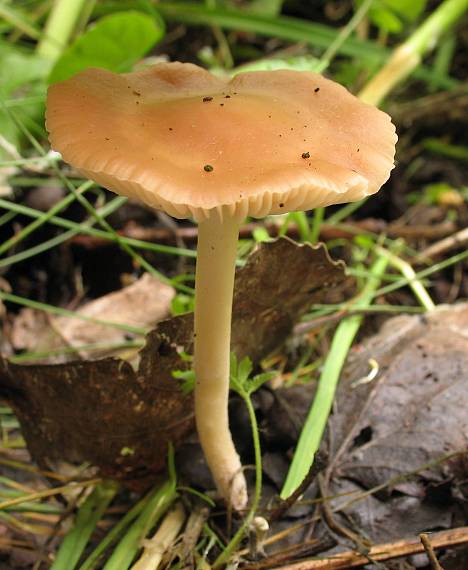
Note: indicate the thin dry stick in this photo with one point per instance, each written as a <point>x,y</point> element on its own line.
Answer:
<point>388,551</point>
<point>307,548</point>
<point>430,551</point>
<point>398,479</point>
<point>458,239</point>
<point>362,544</point>
<point>30,468</point>
<point>334,525</point>
<point>193,529</point>
<point>275,538</point>
<point>189,234</point>
<point>48,493</point>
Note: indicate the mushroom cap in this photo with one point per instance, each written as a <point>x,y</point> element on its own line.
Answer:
<point>192,144</point>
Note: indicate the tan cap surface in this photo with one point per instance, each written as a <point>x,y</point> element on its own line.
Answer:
<point>189,143</point>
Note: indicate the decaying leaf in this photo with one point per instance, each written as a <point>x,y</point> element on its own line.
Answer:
<point>141,305</point>
<point>121,420</point>
<point>412,414</point>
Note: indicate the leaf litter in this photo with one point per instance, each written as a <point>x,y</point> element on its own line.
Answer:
<point>406,431</point>
<point>139,305</point>
<point>397,441</point>
<point>121,420</point>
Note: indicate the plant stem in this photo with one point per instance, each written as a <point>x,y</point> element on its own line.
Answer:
<point>343,35</point>
<point>224,556</point>
<point>48,493</point>
<point>286,28</point>
<point>113,535</point>
<point>407,57</point>
<point>214,284</point>
<point>162,540</point>
<point>59,27</point>
<point>316,421</point>
<point>84,228</point>
<point>316,223</point>
<point>156,506</point>
<point>407,271</point>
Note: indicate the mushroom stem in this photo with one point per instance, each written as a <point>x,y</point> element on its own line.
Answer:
<point>214,284</point>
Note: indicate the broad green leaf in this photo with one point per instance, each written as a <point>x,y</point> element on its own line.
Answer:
<point>409,10</point>
<point>114,42</point>
<point>19,69</point>
<point>390,15</point>
<point>298,63</point>
<point>22,88</point>
<point>386,20</point>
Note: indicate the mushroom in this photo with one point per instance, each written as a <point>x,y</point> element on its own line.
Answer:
<point>218,150</point>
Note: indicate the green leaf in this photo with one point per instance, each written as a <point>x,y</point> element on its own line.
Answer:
<point>409,10</point>
<point>390,15</point>
<point>182,304</point>
<point>115,42</point>
<point>240,380</point>
<point>187,378</point>
<point>297,63</point>
<point>244,370</point>
<point>88,516</point>
<point>386,20</point>
<point>264,7</point>
<point>22,88</point>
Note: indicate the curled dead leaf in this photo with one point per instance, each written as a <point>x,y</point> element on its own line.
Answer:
<point>121,420</point>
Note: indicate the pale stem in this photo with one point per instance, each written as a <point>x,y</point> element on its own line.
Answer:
<point>214,284</point>
<point>59,27</point>
<point>408,55</point>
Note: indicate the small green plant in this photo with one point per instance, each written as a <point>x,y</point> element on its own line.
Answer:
<point>241,379</point>
<point>181,304</point>
<point>244,384</point>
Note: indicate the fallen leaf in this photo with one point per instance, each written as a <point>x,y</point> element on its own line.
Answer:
<point>121,420</point>
<point>412,414</point>
<point>103,411</point>
<point>141,305</point>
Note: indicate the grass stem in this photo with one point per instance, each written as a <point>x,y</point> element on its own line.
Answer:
<point>316,421</point>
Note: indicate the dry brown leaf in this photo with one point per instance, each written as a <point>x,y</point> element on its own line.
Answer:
<point>141,305</point>
<point>412,414</point>
<point>120,419</point>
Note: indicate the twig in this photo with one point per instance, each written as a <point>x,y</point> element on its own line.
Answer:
<point>388,551</point>
<point>457,239</point>
<point>362,544</point>
<point>393,480</point>
<point>435,108</point>
<point>189,234</point>
<point>319,464</point>
<point>340,314</point>
<point>197,519</point>
<point>430,551</point>
<point>48,493</point>
<point>308,548</point>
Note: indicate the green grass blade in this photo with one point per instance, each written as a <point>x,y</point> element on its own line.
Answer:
<point>113,535</point>
<point>289,29</point>
<point>4,296</point>
<point>45,216</point>
<point>311,435</point>
<point>83,228</point>
<point>130,544</point>
<point>87,518</point>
